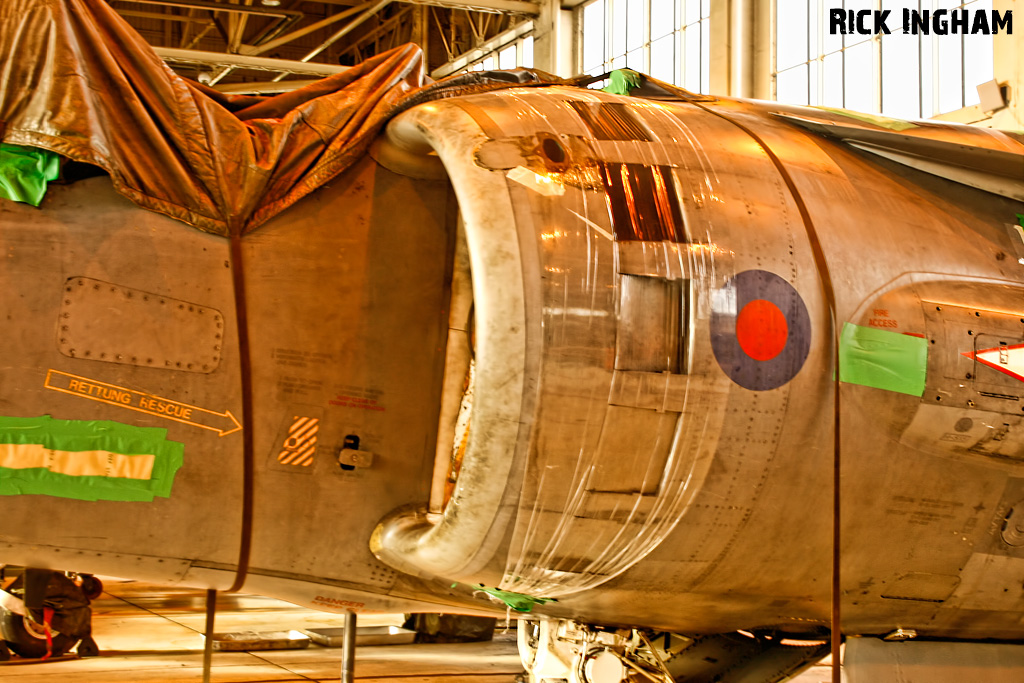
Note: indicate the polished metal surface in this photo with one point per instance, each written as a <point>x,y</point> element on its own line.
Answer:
<point>684,491</point>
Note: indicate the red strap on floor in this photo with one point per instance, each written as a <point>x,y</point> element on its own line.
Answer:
<point>47,618</point>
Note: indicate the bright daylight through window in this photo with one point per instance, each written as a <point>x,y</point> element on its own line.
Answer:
<point>900,74</point>
<point>519,53</point>
<point>668,39</point>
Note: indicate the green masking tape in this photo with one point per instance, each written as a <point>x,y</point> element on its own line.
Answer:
<point>883,359</point>
<point>25,171</point>
<point>86,435</point>
<point>622,81</point>
<point>517,601</point>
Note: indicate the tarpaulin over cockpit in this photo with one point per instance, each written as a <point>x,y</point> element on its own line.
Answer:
<point>76,79</point>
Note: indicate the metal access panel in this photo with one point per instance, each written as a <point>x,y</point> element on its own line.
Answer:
<point>869,660</point>
<point>349,294</point>
<point>116,324</point>
<point>120,415</point>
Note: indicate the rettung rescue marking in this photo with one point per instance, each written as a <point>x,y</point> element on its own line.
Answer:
<point>223,423</point>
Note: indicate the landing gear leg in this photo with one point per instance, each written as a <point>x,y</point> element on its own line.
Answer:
<point>559,651</point>
<point>544,656</point>
<point>348,650</point>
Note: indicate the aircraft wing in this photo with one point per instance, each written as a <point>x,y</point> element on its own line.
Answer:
<point>989,168</point>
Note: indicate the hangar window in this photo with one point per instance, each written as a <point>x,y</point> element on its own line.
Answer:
<point>898,74</point>
<point>508,50</point>
<point>519,53</point>
<point>668,39</point>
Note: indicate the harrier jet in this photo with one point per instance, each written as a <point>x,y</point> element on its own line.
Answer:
<point>693,385</point>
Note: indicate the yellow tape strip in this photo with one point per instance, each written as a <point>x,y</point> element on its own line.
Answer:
<point>76,463</point>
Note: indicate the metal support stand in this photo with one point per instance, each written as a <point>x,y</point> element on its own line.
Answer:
<point>211,610</point>
<point>348,650</point>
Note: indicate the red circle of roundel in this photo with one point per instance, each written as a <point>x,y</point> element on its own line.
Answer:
<point>760,330</point>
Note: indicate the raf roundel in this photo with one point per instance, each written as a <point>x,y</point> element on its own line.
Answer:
<point>760,330</point>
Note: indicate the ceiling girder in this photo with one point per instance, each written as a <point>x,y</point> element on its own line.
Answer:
<point>229,19</point>
<point>223,60</point>
<point>495,44</point>
<point>218,7</point>
<point>388,25</point>
<point>343,31</point>
<point>263,87</point>
<point>237,24</point>
<point>496,6</point>
<point>165,16</point>
<point>306,30</point>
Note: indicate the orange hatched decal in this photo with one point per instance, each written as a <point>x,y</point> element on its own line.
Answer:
<point>300,444</point>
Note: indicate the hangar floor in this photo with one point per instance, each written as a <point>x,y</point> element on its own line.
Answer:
<point>153,634</point>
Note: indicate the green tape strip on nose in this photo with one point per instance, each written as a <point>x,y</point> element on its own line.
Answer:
<point>883,359</point>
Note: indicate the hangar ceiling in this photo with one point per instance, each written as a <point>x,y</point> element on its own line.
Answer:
<point>259,46</point>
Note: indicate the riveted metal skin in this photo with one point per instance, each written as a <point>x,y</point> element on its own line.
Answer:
<point>688,483</point>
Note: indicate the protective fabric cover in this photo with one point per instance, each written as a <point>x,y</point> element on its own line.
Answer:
<point>79,81</point>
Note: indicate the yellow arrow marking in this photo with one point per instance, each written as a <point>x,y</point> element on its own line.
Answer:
<point>223,423</point>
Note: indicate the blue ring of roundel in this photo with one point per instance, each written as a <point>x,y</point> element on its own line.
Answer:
<point>727,302</point>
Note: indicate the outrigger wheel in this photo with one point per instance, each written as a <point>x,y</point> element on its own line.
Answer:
<point>92,587</point>
<point>54,599</point>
